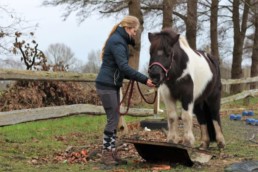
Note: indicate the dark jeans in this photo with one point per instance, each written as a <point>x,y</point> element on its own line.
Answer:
<point>110,100</point>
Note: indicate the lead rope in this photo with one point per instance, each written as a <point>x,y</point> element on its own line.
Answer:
<point>131,85</point>
<point>155,96</point>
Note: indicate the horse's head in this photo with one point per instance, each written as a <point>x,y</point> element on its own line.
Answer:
<point>161,54</point>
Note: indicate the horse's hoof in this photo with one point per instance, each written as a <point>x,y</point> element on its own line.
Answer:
<point>221,145</point>
<point>174,141</point>
<point>203,146</point>
<point>171,141</point>
<point>181,141</point>
<point>187,143</point>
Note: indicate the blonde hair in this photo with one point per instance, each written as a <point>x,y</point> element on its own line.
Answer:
<point>128,21</point>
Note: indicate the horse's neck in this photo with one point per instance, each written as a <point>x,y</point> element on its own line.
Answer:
<point>180,58</point>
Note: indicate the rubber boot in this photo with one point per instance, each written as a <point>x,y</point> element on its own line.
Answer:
<point>107,157</point>
<point>118,158</point>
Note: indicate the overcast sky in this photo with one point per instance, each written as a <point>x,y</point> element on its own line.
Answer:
<point>89,35</point>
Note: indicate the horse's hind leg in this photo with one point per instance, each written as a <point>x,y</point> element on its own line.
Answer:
<point>172,117</point>
<point>219,136</point>
<point>214,107</point>
<point>214,123</point>
<point>199,112</point>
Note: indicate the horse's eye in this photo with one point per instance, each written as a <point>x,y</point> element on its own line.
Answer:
<point>168,53</point>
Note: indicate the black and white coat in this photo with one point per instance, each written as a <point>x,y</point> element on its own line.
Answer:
<point>191,77</point>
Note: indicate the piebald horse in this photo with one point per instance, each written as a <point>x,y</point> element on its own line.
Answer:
<point>192,78</point>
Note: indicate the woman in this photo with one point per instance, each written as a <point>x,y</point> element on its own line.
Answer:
<point>114,69</point>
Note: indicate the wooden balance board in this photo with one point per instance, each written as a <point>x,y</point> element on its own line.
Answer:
<point>169,153</point>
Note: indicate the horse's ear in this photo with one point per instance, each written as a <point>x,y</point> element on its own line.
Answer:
<point>174,39</point>
<point>150,36</point>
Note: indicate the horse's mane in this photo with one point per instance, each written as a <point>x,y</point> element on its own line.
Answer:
<point>167,38</point>
<point>161,41</point>
<point>183,41</point>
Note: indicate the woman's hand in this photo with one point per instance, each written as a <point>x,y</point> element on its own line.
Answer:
<point>149,83</point>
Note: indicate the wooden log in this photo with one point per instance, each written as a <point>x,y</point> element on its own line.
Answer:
<point>12,74</point>
<point>239,81</point>
<point>26,115</point>
<point>239,96</point>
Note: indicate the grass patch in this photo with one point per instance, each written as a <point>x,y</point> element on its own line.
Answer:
<point>26,141</point>
<point>23,142</point>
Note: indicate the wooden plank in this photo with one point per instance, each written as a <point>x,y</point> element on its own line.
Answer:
<point>26,115</point>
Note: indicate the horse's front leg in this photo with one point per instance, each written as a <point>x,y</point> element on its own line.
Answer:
<point>172,118</point>
<point>187,117</point>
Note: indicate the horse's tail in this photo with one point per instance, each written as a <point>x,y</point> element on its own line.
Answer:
<point>210,116</point>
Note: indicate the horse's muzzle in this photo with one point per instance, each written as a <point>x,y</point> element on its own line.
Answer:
<point>157,84</point>
<point>157,77</point>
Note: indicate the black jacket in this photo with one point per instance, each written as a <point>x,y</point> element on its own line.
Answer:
<point>115,66</point>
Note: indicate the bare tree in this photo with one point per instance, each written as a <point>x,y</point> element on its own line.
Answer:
<point>11,24</point>
<point>134,9</point>
<point>191,23</point>
<point>31,55</point>
<point>84,9</point>
<point>214,28</point>
<point>187,16</point>
<point>60,55</point>
<point>94,62</point>
<point>10,63</point>
<point>167,13</point>
<point>254,65</point>
<point>240,27</point>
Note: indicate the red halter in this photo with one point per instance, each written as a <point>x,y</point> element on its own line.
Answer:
<point>164,69</point>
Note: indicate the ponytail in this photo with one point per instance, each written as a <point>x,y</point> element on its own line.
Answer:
<point>128,21</point>
<point>112,31</point>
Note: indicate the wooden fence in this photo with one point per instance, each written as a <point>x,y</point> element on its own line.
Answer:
<point>14,117</point>
<point>226,74</point>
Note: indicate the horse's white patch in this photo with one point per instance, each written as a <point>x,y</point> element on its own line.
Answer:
<point>197,67</point>
<point>187,117</point>
<point>172,117</point>
<point>160,52</point>
<point>168,100</point>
